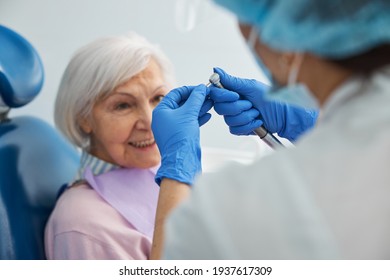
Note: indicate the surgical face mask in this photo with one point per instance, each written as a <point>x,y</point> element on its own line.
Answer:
<point>295,94</point>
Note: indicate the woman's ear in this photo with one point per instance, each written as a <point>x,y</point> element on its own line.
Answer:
<point>285,60</point>
<point>85,125</point>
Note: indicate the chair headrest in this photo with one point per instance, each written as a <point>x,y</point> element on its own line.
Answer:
<point>21,69</point>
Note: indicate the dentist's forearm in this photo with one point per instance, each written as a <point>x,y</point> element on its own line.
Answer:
<point>171,194</point>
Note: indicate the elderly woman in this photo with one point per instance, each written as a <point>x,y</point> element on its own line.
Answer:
<point>104,106</point>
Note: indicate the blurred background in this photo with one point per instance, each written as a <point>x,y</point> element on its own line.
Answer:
<point>195,34</point>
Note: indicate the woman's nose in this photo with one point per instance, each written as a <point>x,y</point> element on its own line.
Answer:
<point>145,117</point>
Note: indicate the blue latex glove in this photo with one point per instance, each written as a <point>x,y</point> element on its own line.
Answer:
<point>175,125</point>
<point>244,107</point>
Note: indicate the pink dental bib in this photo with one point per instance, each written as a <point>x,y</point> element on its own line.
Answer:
<point>132,192</point>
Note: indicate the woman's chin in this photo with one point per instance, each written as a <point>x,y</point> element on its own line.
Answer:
<point>144,163</point>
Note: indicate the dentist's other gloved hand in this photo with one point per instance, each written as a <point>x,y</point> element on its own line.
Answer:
<point>248,109</point>
<point>175,126</point>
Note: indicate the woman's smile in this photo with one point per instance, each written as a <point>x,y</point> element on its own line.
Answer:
<point>143,143</point>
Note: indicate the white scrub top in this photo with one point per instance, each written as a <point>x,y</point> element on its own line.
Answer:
<point>326,198</point>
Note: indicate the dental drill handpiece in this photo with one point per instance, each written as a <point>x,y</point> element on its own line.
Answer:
<point>263,133</point>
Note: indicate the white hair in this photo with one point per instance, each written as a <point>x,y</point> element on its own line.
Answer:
<point>95,71</point>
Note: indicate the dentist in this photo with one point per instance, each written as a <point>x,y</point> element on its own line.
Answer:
<point>327,198</point>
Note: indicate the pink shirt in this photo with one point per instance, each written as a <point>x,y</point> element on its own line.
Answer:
<point>84,226</point>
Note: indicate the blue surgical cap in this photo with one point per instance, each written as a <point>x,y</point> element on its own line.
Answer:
<point>333,29</point>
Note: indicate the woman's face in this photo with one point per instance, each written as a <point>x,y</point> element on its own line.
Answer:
<point>120,125</point>
<point>319,75</point>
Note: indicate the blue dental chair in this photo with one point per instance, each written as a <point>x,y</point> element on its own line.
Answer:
<point>35,160</point>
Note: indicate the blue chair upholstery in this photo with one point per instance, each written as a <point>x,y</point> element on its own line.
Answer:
<point>35,160</point>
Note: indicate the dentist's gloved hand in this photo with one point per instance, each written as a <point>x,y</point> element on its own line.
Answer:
<point>249,109</point>
<point>175,125</point>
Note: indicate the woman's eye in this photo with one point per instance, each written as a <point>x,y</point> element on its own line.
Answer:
<point>122,106</point>
<point>158,99</point>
